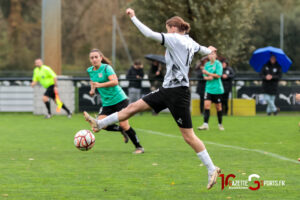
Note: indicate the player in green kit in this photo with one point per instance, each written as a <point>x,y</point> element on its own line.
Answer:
<point>112,95</point>
<point>47,78</point>
<point>213,90</point>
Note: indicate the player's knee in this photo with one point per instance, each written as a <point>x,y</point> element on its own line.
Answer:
<point>45,99</point>
<point>207,106</point>
<point>131,109</point>
<point>188,138</point>
<point>125,126</point>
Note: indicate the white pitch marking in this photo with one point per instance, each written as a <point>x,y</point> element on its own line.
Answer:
<point>274,155</point>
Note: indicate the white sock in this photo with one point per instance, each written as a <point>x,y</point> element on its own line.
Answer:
<point>205,158</point>
<point>205,124</point>
<point>110,119</point>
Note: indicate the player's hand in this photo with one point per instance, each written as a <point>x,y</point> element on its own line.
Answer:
<point>205,72</point>
<point>92,92</point>
<point>96,85</point>
<point>269,77</point>
<point>213,49</point>
<point>224,76</point>
<point>208,78</point>
<point>130,12</point>
<point>298,97</point>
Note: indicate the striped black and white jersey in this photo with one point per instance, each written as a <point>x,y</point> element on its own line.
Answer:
<point>180,50</point>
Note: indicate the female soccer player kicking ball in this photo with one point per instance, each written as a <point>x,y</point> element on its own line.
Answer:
<point>113,97</point>
<point>174,94</point>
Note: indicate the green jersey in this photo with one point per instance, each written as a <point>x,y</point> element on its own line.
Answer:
<point>215,85</point>
<point>45,75</point>
<point>109,95</point>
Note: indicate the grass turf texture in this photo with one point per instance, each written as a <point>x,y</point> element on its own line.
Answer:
<point>39,160</point>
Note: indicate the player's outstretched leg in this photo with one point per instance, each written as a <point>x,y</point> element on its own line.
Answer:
<point>120,116</point>
<point>92,121</point>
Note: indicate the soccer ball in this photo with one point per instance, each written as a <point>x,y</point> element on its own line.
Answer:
<point>84,140</point>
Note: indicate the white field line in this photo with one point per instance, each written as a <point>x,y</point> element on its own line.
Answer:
<point>274,155</point>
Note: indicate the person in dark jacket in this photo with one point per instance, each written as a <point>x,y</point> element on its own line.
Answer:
<point>271,73</point>
<point>156,75</point>
<point>135,75</point>
<point>201,82</point>
<point>227,78</point>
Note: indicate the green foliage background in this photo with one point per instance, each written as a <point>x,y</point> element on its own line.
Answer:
<point>235,27</point>
<point>223,24</point>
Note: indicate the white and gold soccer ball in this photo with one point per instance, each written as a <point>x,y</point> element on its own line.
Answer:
<point>84,140</point>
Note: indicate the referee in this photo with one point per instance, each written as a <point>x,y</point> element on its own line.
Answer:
<point>47,78</point>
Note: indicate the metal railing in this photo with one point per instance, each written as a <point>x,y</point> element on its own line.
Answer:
<point>288,86</point>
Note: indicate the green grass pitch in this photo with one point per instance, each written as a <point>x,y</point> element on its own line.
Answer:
<point>39,161</point>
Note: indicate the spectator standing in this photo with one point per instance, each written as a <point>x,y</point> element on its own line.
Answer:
<point>155,75</point>
<point>201,81</point>
<point>271,74</point>
<point>227,78</point>
<point>135,75</point>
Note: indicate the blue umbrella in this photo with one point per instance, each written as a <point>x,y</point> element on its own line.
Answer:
<point>261,56</point>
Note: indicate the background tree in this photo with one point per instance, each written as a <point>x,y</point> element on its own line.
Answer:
<point>235,27</point>
<point>21,23</point>
<point>223,24</point>
<point>87,25</point>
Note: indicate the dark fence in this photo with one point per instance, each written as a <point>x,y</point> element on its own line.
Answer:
<point>243,87</point>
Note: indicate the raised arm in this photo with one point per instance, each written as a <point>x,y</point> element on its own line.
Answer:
<point>147,32</point>
<point>204,50</point>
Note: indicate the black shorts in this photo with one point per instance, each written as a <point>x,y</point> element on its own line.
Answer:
<point>177,100</point>
<point>50,92</point>
<point>215,98</point>
<point>107,110</point>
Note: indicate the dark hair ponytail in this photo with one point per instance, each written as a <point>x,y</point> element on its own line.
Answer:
<point>179,23</point>
<point>104,59</point>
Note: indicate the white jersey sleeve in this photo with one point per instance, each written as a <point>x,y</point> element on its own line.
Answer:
<point>146,31</point>
<point>169,40</point>
<point>201,49</point>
